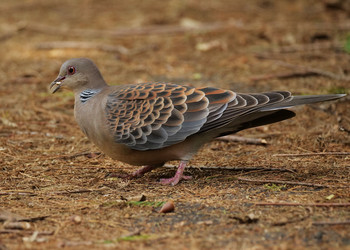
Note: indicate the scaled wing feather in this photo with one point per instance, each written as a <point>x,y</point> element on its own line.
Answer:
<point>155,115</point>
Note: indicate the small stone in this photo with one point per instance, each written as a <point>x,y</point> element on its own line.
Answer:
<point>76,219</point>
<point>17,225</point>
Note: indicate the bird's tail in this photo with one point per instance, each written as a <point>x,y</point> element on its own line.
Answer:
<point>300,100</point>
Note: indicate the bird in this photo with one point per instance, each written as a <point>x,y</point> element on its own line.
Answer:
<point>149,124</point>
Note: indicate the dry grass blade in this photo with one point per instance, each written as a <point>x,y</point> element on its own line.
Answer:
<point>284,182</point>
<point>236,138</point>
<point>321,72</point>
<point>125,32</point>
<point>233,168</point>
<point>289,204</point>
<point>83,45</point>
<point>313,154</point>
<point>73,192</point>
<point>306,47</point>
<point>284,75</point>
<point>347,185</point>
<point>87,154</point>
<point>330,223</point>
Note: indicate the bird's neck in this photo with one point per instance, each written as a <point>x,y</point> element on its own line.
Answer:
<point>86,94</point>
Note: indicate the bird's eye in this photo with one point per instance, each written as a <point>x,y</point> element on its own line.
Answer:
<point>71,70</point>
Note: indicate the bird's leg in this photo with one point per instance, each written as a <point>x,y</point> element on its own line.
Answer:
<point>140,172</point>
<point>178,175</point>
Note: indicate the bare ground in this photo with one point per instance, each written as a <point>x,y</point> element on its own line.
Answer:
<point>52,178</point>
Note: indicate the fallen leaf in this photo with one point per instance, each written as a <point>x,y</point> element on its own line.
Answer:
<point>167,207</point>
<point>329,197</point>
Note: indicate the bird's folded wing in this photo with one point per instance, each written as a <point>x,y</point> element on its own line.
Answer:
<point>155,115</point>
<point>245,104</point>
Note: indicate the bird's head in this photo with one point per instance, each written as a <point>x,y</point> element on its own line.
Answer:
<point>78,74</point>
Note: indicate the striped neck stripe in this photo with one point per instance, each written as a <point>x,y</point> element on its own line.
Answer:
<point>87,94</point>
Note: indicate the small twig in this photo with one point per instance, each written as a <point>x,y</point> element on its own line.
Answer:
<point>283,182</point>
<point>74,191</point>
<point>63,244</point>
<point>20,192</point>
<point>8,216</point>
<point>97,46</point>
<point>141,31</point>
<point>314,70</point>
<point>233,168</point>
<point>33,219</point>
<point>11,33</point>
<point>282,223</point>
<point>344,122</point>
<point>87,154</point>
<point>302,48</point>
<point>339,26</point>
<point>40,233</point>
<point>83,45</point>
<point>341,128</point>
<point>330,223</point>
<point>164,29</point>
<point>312,154</point>
<point>302,204</point>
<point>34,177</point>
<point>299,73</point>
<point>236,138</point>
<point>9,231</point>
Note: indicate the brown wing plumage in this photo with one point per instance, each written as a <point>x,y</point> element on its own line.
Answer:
<point>155,115</point>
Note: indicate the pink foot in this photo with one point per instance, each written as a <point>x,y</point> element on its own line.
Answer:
<point>174,180</point>
<point>178,176</point>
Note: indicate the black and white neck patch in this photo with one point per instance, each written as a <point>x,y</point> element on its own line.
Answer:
<point>87,94</point>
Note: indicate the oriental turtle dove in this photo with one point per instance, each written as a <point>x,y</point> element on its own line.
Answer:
<point>151,123</point>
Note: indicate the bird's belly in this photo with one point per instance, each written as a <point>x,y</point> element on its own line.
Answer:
<point>121,152</point>
<point>125,154</point>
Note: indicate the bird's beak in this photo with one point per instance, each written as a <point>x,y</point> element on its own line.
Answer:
<point>56,84</point>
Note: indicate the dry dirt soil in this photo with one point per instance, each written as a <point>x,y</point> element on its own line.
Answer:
<point>57,191</point>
